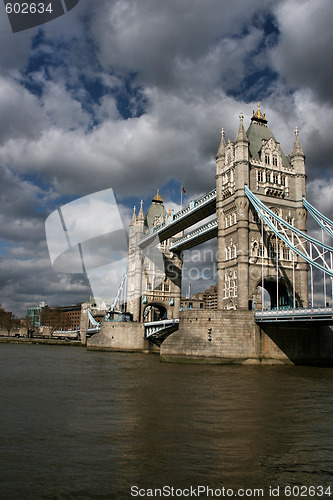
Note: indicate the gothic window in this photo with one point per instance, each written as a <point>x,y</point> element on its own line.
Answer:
<point>255,249</point>
<point>283,180</point>
<point>230,284</point>
<point>268,177</point>
<point>260,176</point>
<point>231,251</point>
<point>166,286</point>
<point>158,219</point>
<point>234,218</point>
<point>255,217</point>
<point>275,178</point>
<point>275,161</point>
<point>286,253</point>
<point>159,286</point>
<point>267,159</point>
<point>271,251</point>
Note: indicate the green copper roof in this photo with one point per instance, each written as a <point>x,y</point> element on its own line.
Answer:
<point>255,134</point>
<point>155,210</point>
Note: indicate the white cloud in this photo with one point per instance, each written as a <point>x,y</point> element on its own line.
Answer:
<point>173,64</point>
<point>304,56</point>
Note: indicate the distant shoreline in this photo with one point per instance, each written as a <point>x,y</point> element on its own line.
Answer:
<point>18,340</point>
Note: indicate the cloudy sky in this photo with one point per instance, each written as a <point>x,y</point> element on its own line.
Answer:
<point>131,95</point>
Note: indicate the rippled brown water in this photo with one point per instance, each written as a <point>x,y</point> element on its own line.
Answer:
<point>79,424</point>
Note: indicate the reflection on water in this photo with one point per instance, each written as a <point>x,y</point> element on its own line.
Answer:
<point>79,424</point>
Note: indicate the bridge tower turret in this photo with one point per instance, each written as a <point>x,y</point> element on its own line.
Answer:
<point>134,277</point>
<point>242,175</point>
<point>154,273</point>
<point>297,160</point>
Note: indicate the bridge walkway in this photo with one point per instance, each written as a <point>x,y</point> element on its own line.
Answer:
<point>196,211</point>
<point>157,331</point>
<point>313,314</point>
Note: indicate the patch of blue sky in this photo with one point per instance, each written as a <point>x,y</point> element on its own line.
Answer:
<point>85,83</point>
<point>47,199</point>
<point>7,248</point>
<point>259,76</point>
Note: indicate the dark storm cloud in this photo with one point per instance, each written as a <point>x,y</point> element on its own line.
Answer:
<point>131,94</point>
<point>304,55</point>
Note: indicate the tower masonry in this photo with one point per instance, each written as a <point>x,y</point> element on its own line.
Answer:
<point>255,269</point>
<point>154,274</point>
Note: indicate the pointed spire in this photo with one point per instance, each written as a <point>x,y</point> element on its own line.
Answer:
<point>221,150</point>
<point>141,215</point>
<point>133,221</point>
<point>241,135</point>
<point>297,149</point>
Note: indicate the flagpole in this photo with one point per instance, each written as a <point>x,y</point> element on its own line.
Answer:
<point>181,197</point>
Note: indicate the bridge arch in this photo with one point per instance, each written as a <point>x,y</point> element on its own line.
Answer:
<point>275,295</point>
<point>154,312</point>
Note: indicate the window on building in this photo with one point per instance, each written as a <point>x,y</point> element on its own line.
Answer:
<point>255,217</point>
<point>267,159</point>
<point>272,251</point>
<point>286,253</point>
<point>275,161</point>
<point>283,180</point>
<point>260,176</point>
<point>276,178</point>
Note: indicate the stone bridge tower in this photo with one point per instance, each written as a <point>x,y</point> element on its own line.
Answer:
<point>154,273</point>
<point>250,257</point>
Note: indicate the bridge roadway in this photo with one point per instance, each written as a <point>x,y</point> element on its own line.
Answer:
<point>157,331</point>
<point>197,210</point>
<point>313,314</point>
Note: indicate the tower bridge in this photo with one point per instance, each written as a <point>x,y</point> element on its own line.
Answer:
<point>264,260</point>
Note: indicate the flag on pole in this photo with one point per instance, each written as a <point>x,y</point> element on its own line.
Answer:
<point>182,190</point>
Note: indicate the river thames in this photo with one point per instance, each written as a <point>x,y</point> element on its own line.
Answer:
<point>78,424</point>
